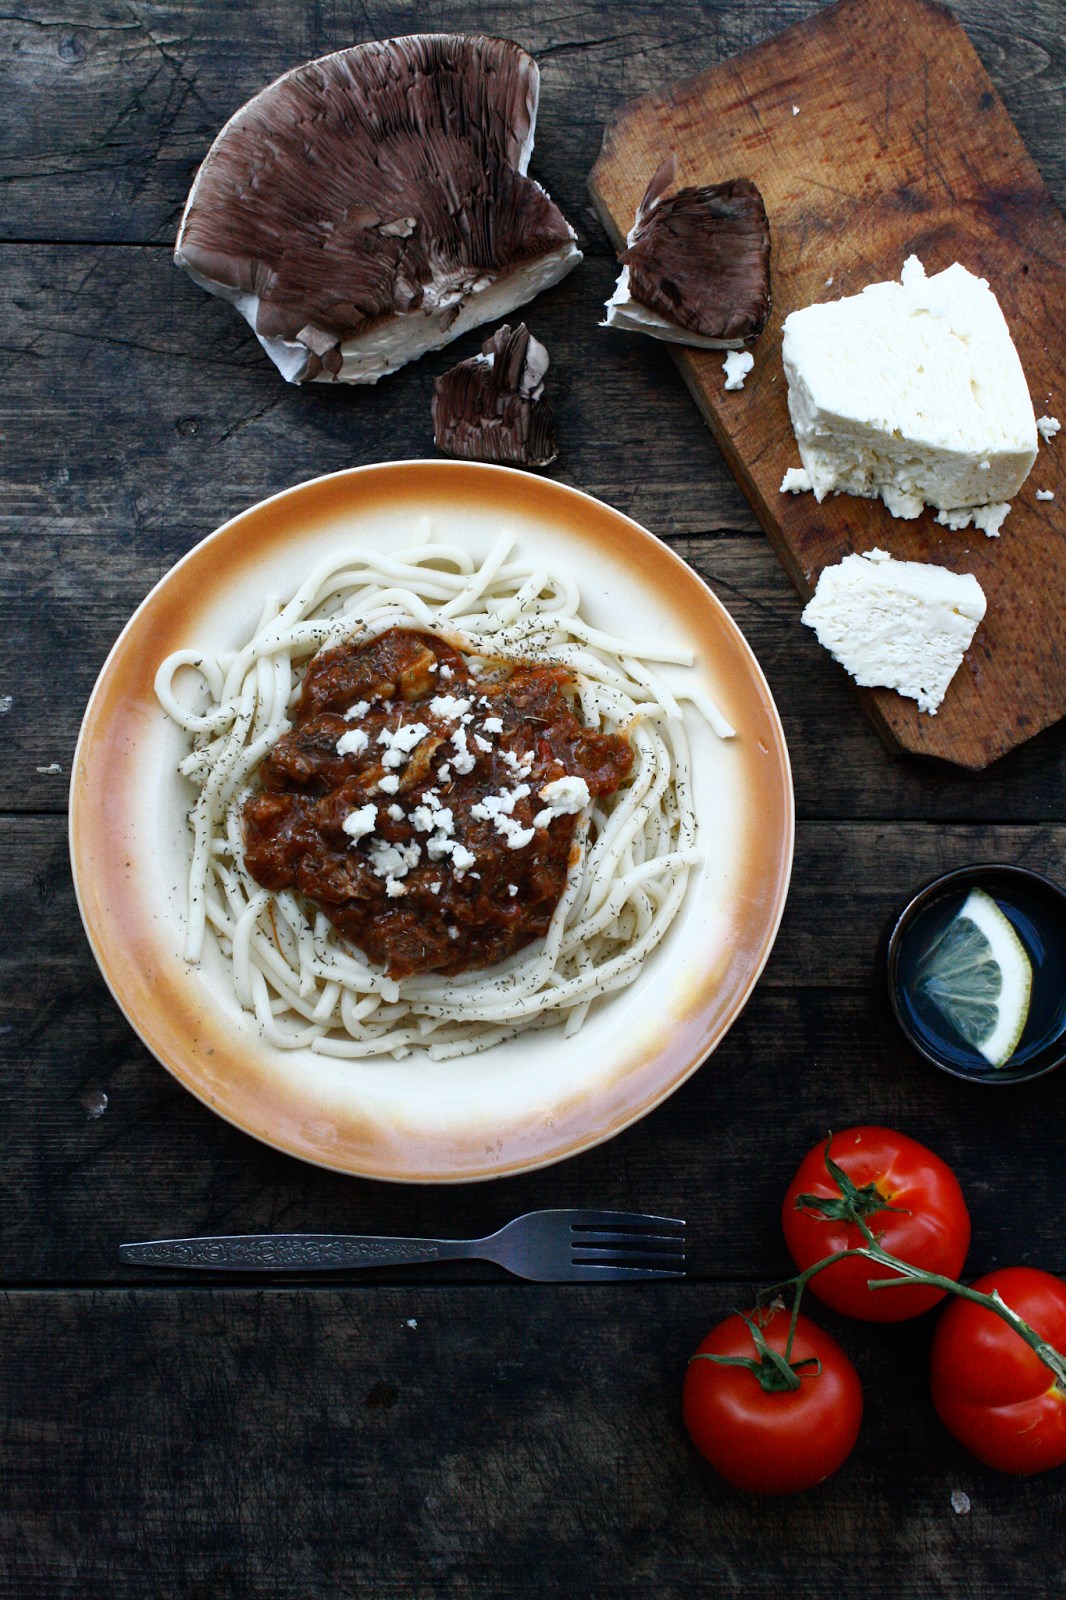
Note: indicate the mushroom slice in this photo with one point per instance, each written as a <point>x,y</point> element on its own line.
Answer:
<point>374,204</point>
<point>697,267</point>
<point>491,408</point>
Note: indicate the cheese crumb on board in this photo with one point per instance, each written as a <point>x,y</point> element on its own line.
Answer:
<point>902,625</point>
<point>1045,494</point>
<point>912,391</point>
<point>989,519</point>
<point>1048,427</point>
<point>797,480</point>
<point>736,366</point>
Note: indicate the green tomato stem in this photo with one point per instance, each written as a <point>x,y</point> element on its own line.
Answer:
<point>851,1207</point>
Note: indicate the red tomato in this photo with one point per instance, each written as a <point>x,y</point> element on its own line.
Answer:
<point>928,1225</point>
<point>772,1442</point>
<point>989,1388</point>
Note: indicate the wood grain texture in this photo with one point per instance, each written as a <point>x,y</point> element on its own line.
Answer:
<point>416,1444</point>
<point>520,1442</point>
<point>814,1049</point>
<point>139,414</point>
<point>107,109</point>
<point>874,132</point>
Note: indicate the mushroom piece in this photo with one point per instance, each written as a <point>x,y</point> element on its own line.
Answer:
<point>491,408</point>
<point>697,267</point>
<point>372,205</point>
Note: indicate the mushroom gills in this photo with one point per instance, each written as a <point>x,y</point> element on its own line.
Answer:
<point>696,270</point>
<point>373,205</point>
<point>493,408</point>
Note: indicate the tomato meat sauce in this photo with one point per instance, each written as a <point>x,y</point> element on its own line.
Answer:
<point>405,802</point>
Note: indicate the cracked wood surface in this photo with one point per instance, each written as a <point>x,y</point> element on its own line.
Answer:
<point>543,1455</point>
<point>166,1438</point>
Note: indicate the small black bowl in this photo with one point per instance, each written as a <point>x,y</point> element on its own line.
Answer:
<point>1038,908</point>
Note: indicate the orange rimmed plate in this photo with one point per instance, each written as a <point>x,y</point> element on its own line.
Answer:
<point>530,1101</point>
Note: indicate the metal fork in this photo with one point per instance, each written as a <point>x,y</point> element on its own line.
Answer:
<point>546,1246</point>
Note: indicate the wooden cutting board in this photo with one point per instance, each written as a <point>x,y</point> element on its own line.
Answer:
<point>873,132</point>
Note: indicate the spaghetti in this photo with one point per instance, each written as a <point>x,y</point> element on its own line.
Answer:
<point>632,853</point>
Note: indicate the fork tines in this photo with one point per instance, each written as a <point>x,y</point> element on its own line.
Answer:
<point>622,1244</point>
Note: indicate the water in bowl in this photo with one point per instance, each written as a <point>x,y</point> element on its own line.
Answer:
<point>1044,936</point>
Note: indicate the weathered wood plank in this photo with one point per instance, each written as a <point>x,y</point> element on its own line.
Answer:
<point>107,113</point>
<point>133,398</point>
<point>408,1444</point>
<point>62,604</point>
<point>140,413</point>
<point>815,1049</point>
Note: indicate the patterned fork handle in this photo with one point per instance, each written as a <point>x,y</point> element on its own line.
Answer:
<point>305,1252</point>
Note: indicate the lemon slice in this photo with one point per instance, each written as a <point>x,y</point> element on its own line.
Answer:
<point>979,977</point>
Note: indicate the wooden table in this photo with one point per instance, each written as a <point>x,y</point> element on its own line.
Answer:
<point>431,1433</point>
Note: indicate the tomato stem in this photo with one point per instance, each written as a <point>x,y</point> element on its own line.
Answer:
<point>906,1274</point>
<point>774,1371</point>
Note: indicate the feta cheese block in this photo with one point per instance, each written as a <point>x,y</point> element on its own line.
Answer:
<point>912,391</point>
<point>902,625</point>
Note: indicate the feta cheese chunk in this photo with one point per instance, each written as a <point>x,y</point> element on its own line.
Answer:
<point>902,625</point>
<point>1048,427</point>
<point>357,824</point>
<point>563,797</point>
<point>352,744</point>
<point>736,366</point>
<point>912,391</point>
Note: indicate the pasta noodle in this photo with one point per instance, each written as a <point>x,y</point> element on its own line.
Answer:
<point>304,984</point>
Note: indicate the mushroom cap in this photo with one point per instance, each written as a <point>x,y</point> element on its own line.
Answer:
<point>491,408</point>
<point>697,267</point>
<point>373,204</point>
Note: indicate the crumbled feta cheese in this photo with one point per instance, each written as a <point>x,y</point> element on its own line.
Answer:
<point>352,744</point>
<point>444,773</point>
<point>449,705</point>
<point>1045,494</point>
<point>357,824</point>
<point>736,366</point>
<point>492,724</point>
<point>905,389</point>
<point>1047,427</point>
<point>496,805</point>
<point>464,759</point>
<point>425,819</point>
<point>435,888</point>
<point>512,889</point>
<point>902,625</point>
<point>462,859</point>
<point>483,744</point>
<point>389,783</point>
<point>394,888</point>
<point>446,671</point>
<point>988,518</point>
<point>360,709</point>
<point>396,813</point>
<point>399,744</point>
<point>565,797</point>
<point>797,480</point>
<point>521,766</point>
<point>393,860</point>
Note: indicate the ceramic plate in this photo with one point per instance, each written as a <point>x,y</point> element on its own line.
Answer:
<point>524,1103</point>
